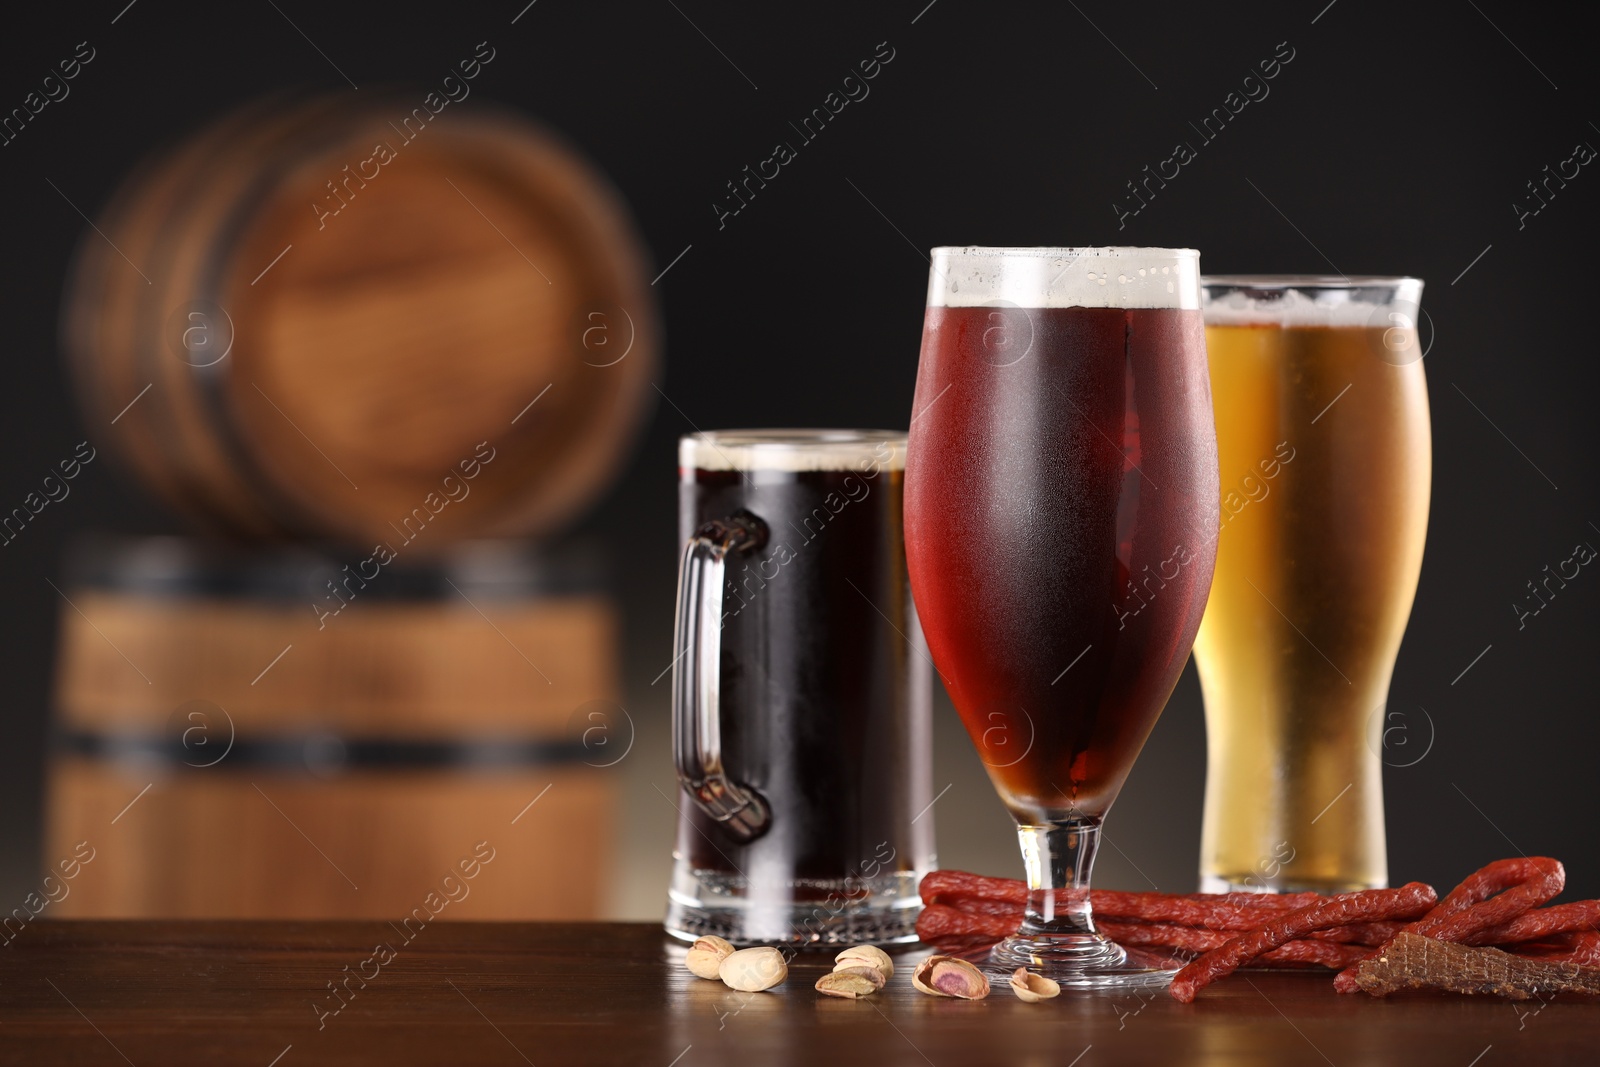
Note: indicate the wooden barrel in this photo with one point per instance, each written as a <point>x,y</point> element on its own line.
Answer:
<point>226,751</point>
<point>319,318</point>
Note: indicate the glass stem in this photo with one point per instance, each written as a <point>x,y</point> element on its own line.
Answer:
<point>1059,857</point>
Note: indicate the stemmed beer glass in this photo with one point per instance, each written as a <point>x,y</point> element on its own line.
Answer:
<point>1062,507</point>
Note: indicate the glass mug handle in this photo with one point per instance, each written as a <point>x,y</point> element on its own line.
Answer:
<point>696,696</point>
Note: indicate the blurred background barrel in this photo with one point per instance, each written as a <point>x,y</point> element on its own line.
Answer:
<point>225,752</point>
<point>365,343</point>
<point>341,305</point>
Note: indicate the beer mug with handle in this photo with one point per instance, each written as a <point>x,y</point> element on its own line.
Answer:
<point>801,693</point>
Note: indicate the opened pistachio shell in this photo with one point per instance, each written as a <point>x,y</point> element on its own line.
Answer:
<point>871,974</point>
<point>751,970</point>
<point>852,982</point>
<point>947,976</point>
<point>705,956</point>
<point>1032,988</point>
<point>865,956</point>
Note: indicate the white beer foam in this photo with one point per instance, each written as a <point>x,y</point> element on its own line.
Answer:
<point>793,450</point>
<point>1106,277</point>
<point>1309,301</point>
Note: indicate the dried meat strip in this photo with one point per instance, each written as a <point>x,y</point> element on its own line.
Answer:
<point>1493,895</point>
<point>1411,961</point>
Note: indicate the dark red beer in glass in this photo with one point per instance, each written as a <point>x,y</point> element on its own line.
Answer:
<point>1061,523</point>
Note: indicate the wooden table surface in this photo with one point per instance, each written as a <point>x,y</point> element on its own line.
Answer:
<point>174,993</point>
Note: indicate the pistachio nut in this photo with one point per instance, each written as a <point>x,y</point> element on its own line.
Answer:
<point>706,955</point>
<point>850,982</point>
<point>753,969</point>
<point>1032,988</point>
<point>948,976</point>
<point>866,956</point>
<point>871,974</point>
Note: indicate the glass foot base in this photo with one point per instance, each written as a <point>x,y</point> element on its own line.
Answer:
<point>1082,962</point>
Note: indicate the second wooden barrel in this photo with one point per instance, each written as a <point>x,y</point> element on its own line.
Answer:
<point>223,750</point>
<point>340,320</point>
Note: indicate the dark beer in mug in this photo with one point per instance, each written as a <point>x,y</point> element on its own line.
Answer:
<point>823,692</point>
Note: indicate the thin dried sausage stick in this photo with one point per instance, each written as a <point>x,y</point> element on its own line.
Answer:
<point>1343,909</point>
<point>1494,894</point>
<point>936,885</point>
<point>1582,949</point>
<point>1188,911</point>
<point>1540,923</point>
<point>1112,918</point>
<point>943,925</point>
<point>1193,939</point>
<point>940,921</point>
<point>959,887</point>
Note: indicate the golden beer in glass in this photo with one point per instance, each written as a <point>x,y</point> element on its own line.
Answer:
<point>1326,461</point>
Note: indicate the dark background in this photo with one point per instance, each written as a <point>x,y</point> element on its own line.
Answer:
<point>1395,142</point>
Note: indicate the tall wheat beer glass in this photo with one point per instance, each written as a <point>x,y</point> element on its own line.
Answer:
<point>1061,513</point>
<point>1326,461</point>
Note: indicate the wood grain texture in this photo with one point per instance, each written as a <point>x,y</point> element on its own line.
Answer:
<point>492,994</point>
<point>364,844</point>
<point>208,837</point>
<point>418,669</point>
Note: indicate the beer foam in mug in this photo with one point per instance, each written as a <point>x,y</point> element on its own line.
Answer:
<point>1106,277</point>
<point>792,450</point>
<point>1243,301</point>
